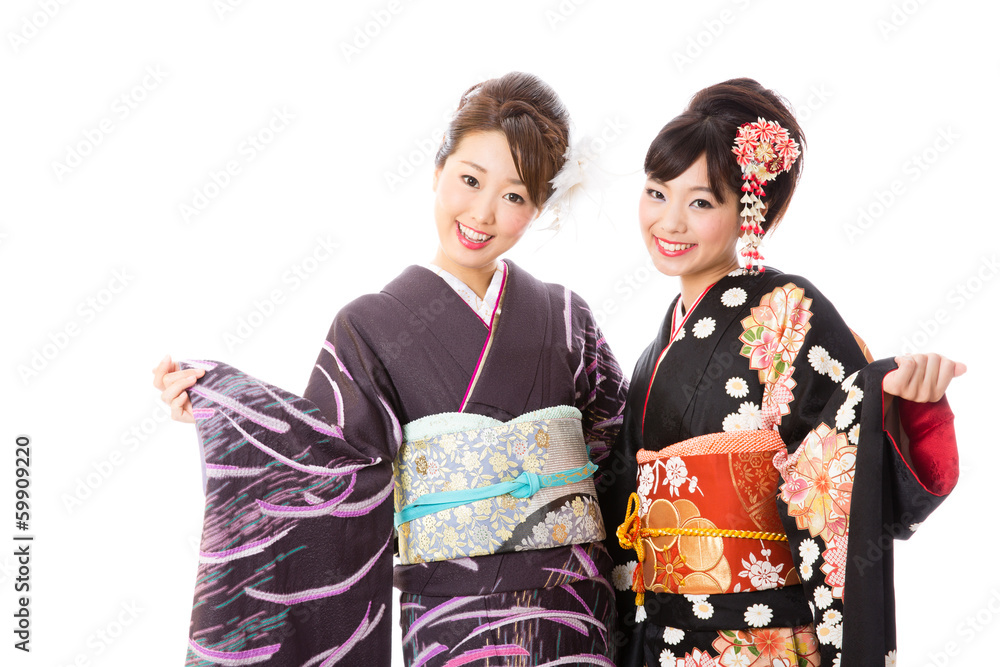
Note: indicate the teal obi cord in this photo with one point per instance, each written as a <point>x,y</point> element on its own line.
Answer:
<point>523,486</point>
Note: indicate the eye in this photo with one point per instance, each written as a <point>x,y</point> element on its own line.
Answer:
<point>470,181</point>
<point>655,194</point>
<point>514,198</point>
<point>701,203</point>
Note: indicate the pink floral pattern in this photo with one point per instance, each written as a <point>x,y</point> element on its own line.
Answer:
<point>772,337</point>
<point>818,484</point>
<point>835,565</point>
<point>767,137</point>
<point>767,647</point>
<point>697,659</point>
<point>777,396</point>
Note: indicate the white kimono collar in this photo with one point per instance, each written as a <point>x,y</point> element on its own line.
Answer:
<point>481,307</point>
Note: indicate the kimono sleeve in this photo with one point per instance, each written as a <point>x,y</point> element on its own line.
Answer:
<point>846,490</point>
<point>931,449</point>
<point>296,553</point>
<point>615,487</point>
<point>601,389</point>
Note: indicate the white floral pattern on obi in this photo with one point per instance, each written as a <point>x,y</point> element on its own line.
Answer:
<point>579,516</point>
<point>455,451</point>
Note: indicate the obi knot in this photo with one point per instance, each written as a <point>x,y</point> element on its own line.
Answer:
<point>530,483</point>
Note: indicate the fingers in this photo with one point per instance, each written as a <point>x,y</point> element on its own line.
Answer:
<point>175,383</point>
<point>897,382</point>
<point>922,378</point>
<point>906,382</point>
<point>180,409</point>
<point>927,385</point>
<point>165,366</point>
<point>946,371</point>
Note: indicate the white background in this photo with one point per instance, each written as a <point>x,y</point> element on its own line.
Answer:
<point>875,84</point>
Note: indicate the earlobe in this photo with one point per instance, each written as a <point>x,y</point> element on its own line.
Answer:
<point>437,175</point>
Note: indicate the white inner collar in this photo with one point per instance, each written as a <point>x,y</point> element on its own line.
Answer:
<point>482,307</point>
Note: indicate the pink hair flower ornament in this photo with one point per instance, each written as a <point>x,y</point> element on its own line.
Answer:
<point>763,150</point>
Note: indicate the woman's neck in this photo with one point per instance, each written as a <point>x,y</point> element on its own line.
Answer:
<point>694,284</point>
<point>478,279</point>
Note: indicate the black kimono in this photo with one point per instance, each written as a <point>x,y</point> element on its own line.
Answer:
<point>767,492</point>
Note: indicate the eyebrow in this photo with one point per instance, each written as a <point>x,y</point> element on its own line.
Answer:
<point>694,188</point>
<point>512,181</point>
<point>474,166</point>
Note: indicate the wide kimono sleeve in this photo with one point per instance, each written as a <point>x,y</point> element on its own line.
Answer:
<point>617,484</point>
<point>601,390</point>
<point>848,488</point>
<point>296,551</point>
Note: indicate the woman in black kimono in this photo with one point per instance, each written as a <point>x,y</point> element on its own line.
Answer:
<point>466,404</point>
<point>760,488</point>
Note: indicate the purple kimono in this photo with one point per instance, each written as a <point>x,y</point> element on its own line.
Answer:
<point>297,548</point>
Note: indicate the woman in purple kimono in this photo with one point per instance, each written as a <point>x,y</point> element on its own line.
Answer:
<point>455,418</point>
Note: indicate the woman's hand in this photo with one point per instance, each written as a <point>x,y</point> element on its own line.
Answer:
<point>174,385</point>
<point>922,378</point>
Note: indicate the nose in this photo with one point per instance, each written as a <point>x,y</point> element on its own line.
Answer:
<point>673,218</point>
<point>481,209</point>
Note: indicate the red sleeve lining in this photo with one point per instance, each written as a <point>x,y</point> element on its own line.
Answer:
<point>933,446</point>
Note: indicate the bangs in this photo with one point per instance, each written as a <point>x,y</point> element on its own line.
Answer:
<point>531,159</point>
<point>686,138</point>
<point>531,118</point>
<point>709,127</point>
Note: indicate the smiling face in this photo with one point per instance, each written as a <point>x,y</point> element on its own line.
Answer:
<point>481,208</point>
<point>687,231</point>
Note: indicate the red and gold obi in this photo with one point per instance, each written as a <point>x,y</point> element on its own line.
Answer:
<point>705,521</point>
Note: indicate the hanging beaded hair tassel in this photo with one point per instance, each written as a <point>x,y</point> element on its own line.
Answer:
<point>763,150</point>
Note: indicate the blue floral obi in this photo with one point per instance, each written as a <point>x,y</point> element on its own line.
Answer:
<point>469,485</point>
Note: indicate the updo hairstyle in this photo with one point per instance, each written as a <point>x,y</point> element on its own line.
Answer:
<point>529,114</point>
<point>708,127</point>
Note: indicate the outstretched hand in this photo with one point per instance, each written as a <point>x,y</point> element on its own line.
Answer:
<point>174,384</point>
<point>922,378</point>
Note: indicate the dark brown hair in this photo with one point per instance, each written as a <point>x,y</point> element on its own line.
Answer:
<point>708,126</point>
<point>529,114</point>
